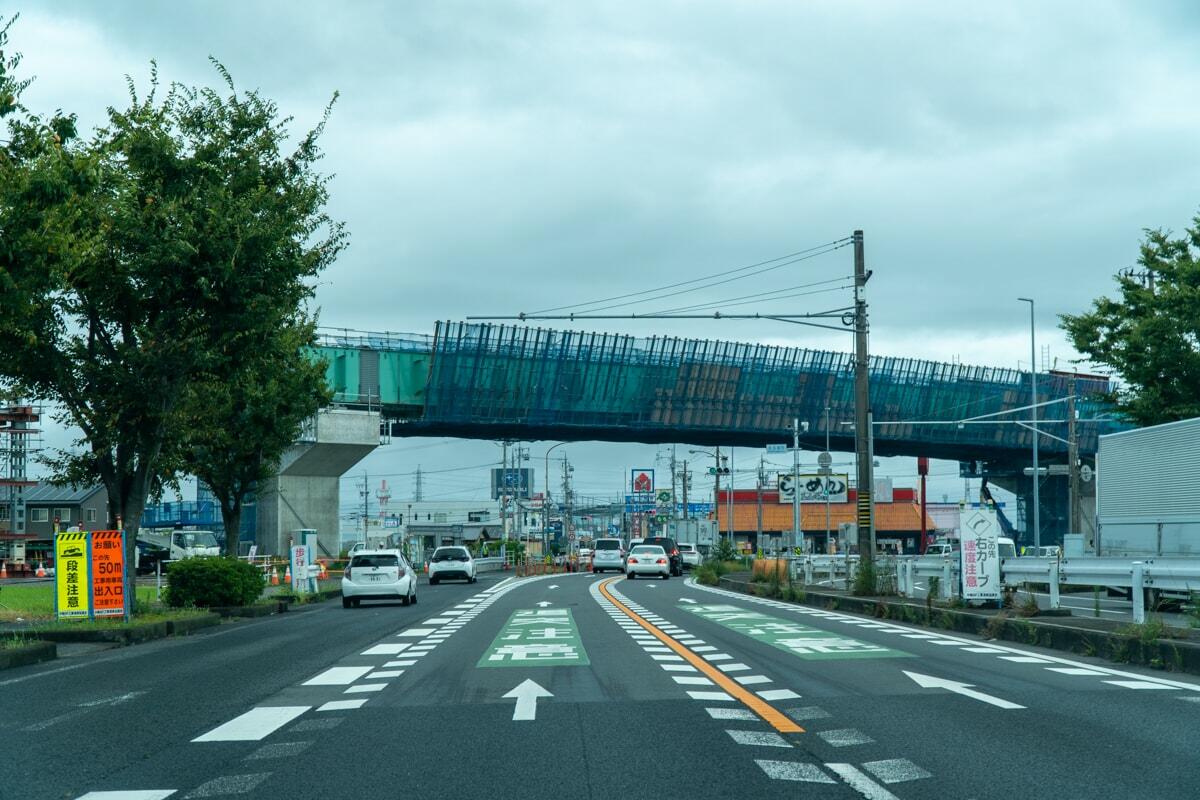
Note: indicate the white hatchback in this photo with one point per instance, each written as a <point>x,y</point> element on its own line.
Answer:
<point>378,575</point>
<point>451,562</point>
<point>648,559</point>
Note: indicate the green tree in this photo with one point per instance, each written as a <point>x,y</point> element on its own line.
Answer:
<point>1150,335</point>
<point>132,265</point>
<point>243,416</point>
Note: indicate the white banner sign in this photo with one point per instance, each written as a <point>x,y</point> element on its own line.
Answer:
<point>980,556</point>
<point>813,488</point>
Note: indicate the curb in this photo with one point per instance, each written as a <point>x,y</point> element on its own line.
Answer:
<point>131,634</point>
<point>1166,654</point>
<point>32,653</point>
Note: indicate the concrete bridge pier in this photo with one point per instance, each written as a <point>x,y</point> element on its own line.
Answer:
<point>305,492</point>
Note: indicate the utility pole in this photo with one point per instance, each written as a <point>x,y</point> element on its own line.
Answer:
<point>418,489</point>
<point>729,495</point>
<point>685,488</point>
<point>717,490</point>
<point>366,498</point>
<point>504,489</point>
<point>759,485</point>
<point>862,407</point>
<point>1037,477</point>
<point>826,472</point>
<point>1076,525</point>
<point>796,535</point>
<point>671,512</point>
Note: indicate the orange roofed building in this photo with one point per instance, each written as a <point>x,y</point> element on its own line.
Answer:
<point>897,524</point>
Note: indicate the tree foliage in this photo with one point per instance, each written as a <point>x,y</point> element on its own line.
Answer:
<point>1150,335</point>
<point>139,264</point>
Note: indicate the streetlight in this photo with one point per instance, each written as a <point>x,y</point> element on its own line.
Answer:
<point>1037,517</point>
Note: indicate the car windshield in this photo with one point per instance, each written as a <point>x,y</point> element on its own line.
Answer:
<point>195,539</point>
<point>451,554</point>
<point>1007,550</point>
<point>378,560</point>
<point>648,550</point>
<point>608,544</point>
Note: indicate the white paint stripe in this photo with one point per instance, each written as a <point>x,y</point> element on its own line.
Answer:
<point>793,771</point>
<point>1076,671</point>
<point>678,667</point>
<point>947,642</point>
<point>718,657</point>
<point>692,680</point>
<point>758,738</point>
<point>132,794</point>
<point>366,687</point>
<point>254,725</point>
<point>656,649</point>
<point>385,650</point>
<point>697,695</point>
<point>981,650</point>
<point>416,632</point>
<point>1026,660</point>
<point>735,667</point>
<point>384,674</point>
<point>1142,685</point>
<point>402,663</point>
<point>778,694</point>
<point>860,782</point>
<point>895,770</point>
<point>341,705</point>
<point>436,621</point>
<point>731,713</point>
<point>751,680</point>
<point>708,648</point>
<point>337,676</point>
<point>667,658</point>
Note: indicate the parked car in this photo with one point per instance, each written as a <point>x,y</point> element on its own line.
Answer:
<point>378,575</point>
<point>689,554</point>
<point>671,549</point>
<point>648,559</point>
<point>609,554</point>
<point>451,562</point>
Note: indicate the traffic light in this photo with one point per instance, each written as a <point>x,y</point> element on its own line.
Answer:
<point>718,470</point>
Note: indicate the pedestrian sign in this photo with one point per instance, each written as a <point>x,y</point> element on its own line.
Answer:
<point>72,572</point>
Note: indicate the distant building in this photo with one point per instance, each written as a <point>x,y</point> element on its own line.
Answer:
<point>48,506</point>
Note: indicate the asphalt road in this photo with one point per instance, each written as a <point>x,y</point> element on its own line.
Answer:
<point>656,689</point>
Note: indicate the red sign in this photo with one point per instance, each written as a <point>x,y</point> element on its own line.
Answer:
<point>108,574</point>
<point>643,480</point>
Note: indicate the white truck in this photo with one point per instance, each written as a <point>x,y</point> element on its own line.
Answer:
<point>173,545</point>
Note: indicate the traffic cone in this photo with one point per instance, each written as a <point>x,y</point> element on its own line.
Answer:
<point>287,575</point>
<point>274,577</point>
<point>41,570</point>
<point>3,569</point>
<point>324,572</point>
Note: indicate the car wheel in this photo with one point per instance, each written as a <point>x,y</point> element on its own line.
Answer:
<point>631,575</point>
<point>413,599</point>
<point>345,602</point>
<point>666,576</point>
<point>405,600</point>
<point>433,581</point>
<point>355,602</point>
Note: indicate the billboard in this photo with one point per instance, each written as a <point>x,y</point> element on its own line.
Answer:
<point>512,482</point>
<point>641,481</point>
<point>814,488</point>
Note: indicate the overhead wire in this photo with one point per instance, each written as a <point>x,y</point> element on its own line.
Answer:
<point>755,295</point>
<point>824,248</point>
<point>719,305</point>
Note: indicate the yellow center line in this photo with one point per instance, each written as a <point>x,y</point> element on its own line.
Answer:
<point>771,715</point>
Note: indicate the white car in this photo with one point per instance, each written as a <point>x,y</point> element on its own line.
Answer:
<point>689,554</point>
<point>647,559</point>
<point>451,562</point>
<point>378,575</point>
<point>609,554</point>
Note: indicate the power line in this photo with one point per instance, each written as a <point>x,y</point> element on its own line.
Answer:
<point>838,242</point>
<point>757,294</point>
<point>729,304</point>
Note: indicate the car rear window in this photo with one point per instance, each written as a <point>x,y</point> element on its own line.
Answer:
<point>449,553</point>
<point>608,544</point>
<point>648,550</point>
<point>660,541</point>
<point>375,561</point>
<point>688,547</point>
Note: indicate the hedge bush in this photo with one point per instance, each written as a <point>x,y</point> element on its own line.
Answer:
<point>212,581</point>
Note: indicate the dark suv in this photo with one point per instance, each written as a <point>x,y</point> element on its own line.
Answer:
<point>672,552</point>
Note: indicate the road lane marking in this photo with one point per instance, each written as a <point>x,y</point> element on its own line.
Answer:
<point>735,667</point>
<point>254,725</point>
<point>366,687</point>
<point>416,632</point>
<point>793,771</point>
<point>383,674</point>
<point>408,662</point>
<point>768,713</point>
<point>337,676</point>
<point>526,694</point>
<point>1075,671</point>
<point>931,682</point>
<point>436,621</point>
<point>678,667</point>
<point>535,638</point>
<point>278,750</point>
<point>806,713</point>
<point>668,658</point>
<point>860,782</point>
<point>130,794</point>
<point>228,784</point>
<point>896,770</point>
<point>846,737</point>
<point>791,637</point>
<point>692,680</point>
<point>777,694</point>
<point>758,738</point>
<point>717,657</point>
<point>1142,685</point>
<point>698,695</point>
<point>342,705</point>
<point>732,713</point>
<point>385,650</point>
<point>1026,660</point>
<point>751,680</point>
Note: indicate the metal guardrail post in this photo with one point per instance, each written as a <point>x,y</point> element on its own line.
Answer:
<point>808,571</point>
<point>1054,584</point>
<point>1138,593</point>
<point>946,589</point>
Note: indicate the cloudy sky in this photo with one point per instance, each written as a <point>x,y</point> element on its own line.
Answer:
<point>494,157</point>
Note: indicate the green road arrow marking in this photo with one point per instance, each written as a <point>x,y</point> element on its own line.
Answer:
<point>801,640</point>
<point>537,638</point>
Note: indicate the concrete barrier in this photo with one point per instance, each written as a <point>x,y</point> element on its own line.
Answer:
<point>26,654</point>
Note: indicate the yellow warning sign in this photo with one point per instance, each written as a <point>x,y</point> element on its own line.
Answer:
<point>72,571</point>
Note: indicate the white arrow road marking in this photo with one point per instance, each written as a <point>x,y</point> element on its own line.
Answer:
<point>930,682</point>
<point>526,694</point>
<point>543,603</point>
<point>685,600</point>
<point>554,586</point>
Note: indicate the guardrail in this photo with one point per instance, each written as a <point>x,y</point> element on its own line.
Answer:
<point>489,564</point>
<point>1178,576</point>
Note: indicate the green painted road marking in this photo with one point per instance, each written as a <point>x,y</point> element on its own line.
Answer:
<point>537,638</point>
<point>808,643</point>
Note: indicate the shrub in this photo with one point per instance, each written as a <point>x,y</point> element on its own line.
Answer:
<point>217,581</point>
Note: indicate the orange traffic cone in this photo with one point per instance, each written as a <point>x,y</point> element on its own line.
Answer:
<point>324,572</point>
<point>287,575</point>
<point>274,577</point>
<point>41,570</point>
<point>3,569</point>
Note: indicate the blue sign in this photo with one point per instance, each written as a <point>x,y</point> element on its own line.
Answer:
<point>641,504</point>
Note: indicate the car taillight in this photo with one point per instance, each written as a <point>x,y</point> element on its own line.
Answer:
<point>400,573</point>
<point>662,561</point>
<point>346,573</point>
<point>674,552</point>
<point>632,560</point>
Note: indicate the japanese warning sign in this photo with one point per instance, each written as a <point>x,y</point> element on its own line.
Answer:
<point>108,574</point>
<point>72,593</point>
<point>979,531</point>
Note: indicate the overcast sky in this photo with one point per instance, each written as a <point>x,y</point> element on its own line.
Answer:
<point>495,157</point>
